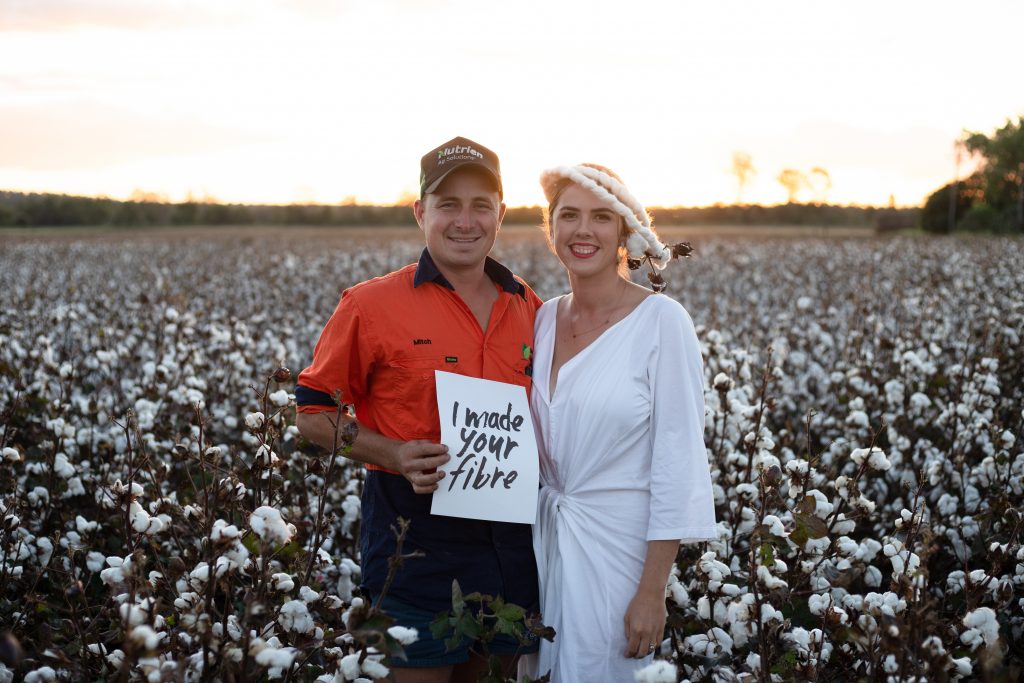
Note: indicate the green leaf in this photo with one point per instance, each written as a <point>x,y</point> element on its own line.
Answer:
<point>807,506</point>
<point>469,627</point>
<point>807,527</point>
<point>440,626</point>
<point>392,647</point>
<point>508,628</point>
<point>799,535</point>
<point>495,673</point>
<point>378,622</point>
<point>786,664</point>
<point>816,527</point>
<point>510,612</point>
<point>251,542</point>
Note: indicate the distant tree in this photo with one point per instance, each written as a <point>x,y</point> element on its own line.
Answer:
<point>1002,170</point>
<point>140,195</point>
<point>820,183</point>
<point>794,181</point>
<point>406,198</point>
<point>935,216</point>
<point>744,171</point>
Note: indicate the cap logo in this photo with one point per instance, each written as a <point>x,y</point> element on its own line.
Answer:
<point>461,151</point>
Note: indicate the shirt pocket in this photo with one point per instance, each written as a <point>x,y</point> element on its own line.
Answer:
<point>416,394</point>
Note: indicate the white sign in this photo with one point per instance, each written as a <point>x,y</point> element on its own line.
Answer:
<point>494,471</point>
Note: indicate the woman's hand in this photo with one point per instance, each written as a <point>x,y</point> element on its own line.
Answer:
<point>645,623</point>
<point>646,614</point>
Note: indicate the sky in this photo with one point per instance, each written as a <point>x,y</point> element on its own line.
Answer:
<point>281,101</point>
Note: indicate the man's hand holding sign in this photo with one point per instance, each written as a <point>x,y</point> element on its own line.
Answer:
<point>493,471</point>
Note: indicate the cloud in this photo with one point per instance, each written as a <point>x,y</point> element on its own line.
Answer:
<point>85,134</point>
<point>911,150</point>
<point>59,15</point>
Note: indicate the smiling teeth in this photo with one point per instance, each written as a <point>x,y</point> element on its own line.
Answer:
<point>584,251</point>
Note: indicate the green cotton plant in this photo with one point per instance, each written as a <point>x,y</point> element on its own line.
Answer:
<point>494,617</point>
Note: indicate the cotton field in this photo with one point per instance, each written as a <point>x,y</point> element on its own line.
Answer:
<point>162,520</point>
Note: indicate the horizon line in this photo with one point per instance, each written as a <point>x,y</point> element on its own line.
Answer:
<point>155,198</point>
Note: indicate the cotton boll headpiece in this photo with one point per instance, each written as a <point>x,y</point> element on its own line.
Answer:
<point>642,240</point>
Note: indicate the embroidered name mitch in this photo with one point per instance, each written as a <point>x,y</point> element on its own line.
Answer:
<point>418,342</point>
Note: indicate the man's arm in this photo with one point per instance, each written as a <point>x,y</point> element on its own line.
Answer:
<point>417,460</point>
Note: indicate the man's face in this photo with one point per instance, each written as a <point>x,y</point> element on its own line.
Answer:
<point>460,220</point>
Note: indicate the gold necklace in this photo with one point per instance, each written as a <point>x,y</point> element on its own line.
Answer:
<point>607,320</point>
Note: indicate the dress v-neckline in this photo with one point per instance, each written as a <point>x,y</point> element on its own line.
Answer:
<point>554,340</point>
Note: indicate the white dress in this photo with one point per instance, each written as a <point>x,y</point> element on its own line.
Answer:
<point>629,405</point>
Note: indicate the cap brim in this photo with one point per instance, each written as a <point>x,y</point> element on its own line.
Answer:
<point>432,187</point>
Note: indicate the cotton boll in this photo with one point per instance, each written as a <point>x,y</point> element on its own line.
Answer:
<point>84,526</point>
<point>267,523</point>
<point>983,628</point>
<point>265,456</point>
<point>146,637</point>
<point>657,672</point>
<point>774,525</point>
<point>283,582</point>
<point>676,590</point>
<point>873,577</point>
<point>62,467</point>
<point>405,636</point>
<point>280,658</point>
<point>141,520</point>
<point>38,497</point>
<point>254,420</point>
<point>817,604</point>
<point>374,668</point>
<point>295,616</point>
<point>963,666</point>
<point>704,608</point>
<point>44,674</point>
<point>223,531</point>
<point>94,561</point>
<point>722,382</point>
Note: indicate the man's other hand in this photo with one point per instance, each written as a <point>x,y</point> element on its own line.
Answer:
<point>418,461</point>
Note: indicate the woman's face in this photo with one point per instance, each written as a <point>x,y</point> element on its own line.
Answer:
<point>585,232</point>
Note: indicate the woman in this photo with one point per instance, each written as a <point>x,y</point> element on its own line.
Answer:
<point>619,407</point>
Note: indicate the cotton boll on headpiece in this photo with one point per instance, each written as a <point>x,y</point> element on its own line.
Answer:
<point>642,241</point>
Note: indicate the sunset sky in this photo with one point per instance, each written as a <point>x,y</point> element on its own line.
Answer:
<point>312,100</point>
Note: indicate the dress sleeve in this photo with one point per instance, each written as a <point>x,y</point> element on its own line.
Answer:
<point>343,359</point>
<point>682,504</point>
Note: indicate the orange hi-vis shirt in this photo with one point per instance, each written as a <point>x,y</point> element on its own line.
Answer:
<point>387,336</point>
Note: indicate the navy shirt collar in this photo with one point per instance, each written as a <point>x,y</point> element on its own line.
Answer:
<point>427,271</point>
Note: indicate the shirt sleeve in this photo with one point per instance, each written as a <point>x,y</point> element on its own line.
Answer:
<point>343,360</point>
<point>682,503</point>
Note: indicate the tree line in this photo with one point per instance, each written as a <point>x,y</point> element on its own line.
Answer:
<point>992,198</point>
<point>56,210</point>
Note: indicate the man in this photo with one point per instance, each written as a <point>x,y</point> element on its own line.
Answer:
<point>460,311</point>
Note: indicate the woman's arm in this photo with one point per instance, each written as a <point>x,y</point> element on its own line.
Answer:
<point>646,614</point>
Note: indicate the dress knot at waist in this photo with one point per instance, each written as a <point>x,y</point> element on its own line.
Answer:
<point>555,498</point>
